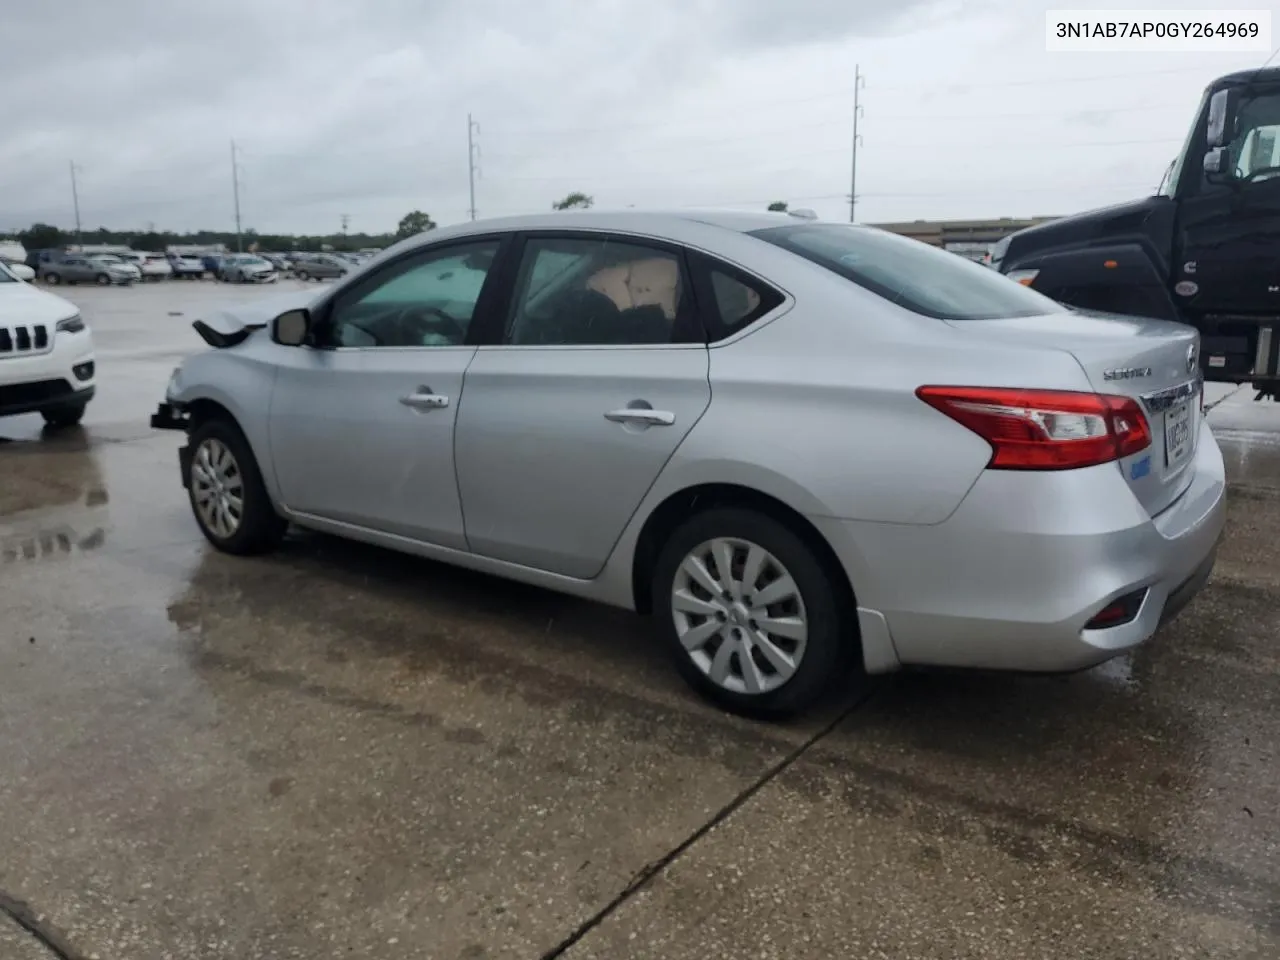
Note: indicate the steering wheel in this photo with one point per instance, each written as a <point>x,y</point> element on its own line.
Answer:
<point>411,320</point>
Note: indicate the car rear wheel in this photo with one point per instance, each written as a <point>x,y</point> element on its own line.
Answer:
<point>754,620</point>
<point>302,275</point>
<point>52,279</point>
<point>228,497</point>
<point>64,416</point>
<point>102,280</point>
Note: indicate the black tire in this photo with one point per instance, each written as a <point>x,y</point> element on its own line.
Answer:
<point>830,646</point>
<point>52,279</point>
<point>302,275</point>
<point>102,280</point>
<point>260,528</point>
<point>61,417</point>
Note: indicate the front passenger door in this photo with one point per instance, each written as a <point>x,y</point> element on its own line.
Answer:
<point>601,372</point>
<point>362,422</point>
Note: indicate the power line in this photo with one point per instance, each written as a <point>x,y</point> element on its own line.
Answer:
<point>1092,78</point>
<point>844,93</point>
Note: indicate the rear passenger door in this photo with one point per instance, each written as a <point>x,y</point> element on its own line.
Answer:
<point>597,375</point>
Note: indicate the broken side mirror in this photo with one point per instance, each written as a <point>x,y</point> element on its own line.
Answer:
<point>290,329</point>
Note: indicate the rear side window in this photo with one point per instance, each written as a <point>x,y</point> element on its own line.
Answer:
<point>736,299</point>
<point>914,275</point>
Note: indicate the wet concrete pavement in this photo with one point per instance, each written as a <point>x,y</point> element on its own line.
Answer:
<point>336,751</point>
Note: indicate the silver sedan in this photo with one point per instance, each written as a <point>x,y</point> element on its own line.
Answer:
<point>814,451</point>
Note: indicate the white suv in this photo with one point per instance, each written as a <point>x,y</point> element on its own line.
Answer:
<point>46,354</point>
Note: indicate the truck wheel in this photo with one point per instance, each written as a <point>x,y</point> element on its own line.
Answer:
<point>60,417</point>
<point>228,497</point>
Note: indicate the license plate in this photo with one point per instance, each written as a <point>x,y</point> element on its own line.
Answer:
<point>1177,434</point>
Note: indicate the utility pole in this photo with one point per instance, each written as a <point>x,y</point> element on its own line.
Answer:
<point>857,142</point>
<point>346,219</point>
<point>473,161</point>
<point>235,193</point>
<point>75,198</point>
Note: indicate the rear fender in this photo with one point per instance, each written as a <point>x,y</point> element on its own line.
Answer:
<point>1115,279</point>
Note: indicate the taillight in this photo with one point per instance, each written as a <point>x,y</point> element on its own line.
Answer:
<point>1045,429</point>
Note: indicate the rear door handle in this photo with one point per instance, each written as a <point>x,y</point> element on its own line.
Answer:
<point>424,399</point>
<point>652,418</point>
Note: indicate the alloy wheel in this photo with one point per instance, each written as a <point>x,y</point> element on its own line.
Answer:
<point>217,487</point>
<point>739,615</point>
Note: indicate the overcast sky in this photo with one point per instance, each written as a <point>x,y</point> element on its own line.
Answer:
<point>360,108</point>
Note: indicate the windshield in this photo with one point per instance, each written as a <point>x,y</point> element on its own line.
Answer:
<point>914,275</point>
<point>1169,185</point>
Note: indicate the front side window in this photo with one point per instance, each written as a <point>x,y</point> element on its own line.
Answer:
<point>424,300</point>
<point>597,291</point>
<point>1256,145</point>
<point>914,275</point>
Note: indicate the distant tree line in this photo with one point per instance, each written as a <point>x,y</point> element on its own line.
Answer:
<point>43,235</point>
<point>40,236</point>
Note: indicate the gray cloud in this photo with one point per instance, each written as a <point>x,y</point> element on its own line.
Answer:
<point>361,108</point>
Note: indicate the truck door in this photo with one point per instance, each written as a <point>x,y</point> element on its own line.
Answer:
<point>1227,271</point>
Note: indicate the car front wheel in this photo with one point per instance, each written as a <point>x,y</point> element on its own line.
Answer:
<point>64,416</point>
<point>52,279</point>
<point>302,275</point>
<point>753,618</point>
<point>228,497</point>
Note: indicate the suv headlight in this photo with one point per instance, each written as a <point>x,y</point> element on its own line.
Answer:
<point>73,324</point>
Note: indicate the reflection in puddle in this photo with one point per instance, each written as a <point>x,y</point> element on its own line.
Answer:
<point>50,543</point>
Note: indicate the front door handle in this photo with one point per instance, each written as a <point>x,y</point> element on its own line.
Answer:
<point>645,415</point>
<point>424,399</point>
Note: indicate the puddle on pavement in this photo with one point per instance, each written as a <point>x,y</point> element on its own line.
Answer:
<point>53,502</point>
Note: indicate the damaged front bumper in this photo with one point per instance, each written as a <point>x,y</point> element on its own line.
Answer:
<point>168,416</point>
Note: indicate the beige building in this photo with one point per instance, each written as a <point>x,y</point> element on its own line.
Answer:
<point>969,238</point>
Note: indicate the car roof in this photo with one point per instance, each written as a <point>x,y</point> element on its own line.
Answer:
<point>659,223</point>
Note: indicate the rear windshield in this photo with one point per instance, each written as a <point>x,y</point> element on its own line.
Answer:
<point>924,279</point>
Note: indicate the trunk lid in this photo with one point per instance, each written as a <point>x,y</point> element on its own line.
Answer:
<point>1153,361</point>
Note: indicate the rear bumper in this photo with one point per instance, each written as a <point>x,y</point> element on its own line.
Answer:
<point>1012,579</point>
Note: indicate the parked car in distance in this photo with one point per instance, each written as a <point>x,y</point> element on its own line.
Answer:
<point>801,445</point>
<point>320,267</point>
<point>246,268</point>
<point>153,266</point>
<point>127,267</point>
<point>46,354</point>
<point>186,267</point>
<point>100,268</point>
<point>277,260</point>
<point>13,253</point>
